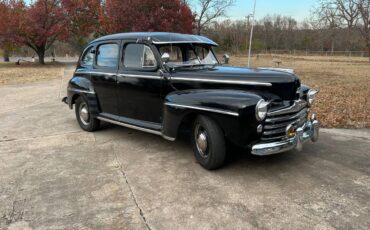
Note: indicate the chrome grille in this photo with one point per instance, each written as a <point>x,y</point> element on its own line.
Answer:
<point>277,120</point>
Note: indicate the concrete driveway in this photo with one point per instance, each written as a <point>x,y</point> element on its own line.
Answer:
<point>55,176</point>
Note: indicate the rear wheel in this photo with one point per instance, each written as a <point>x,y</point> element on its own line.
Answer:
<point>208,143</point>
<point>86,121</point>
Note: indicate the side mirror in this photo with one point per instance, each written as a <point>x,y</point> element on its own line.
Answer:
<point>165,58</point>
<point>225,59</point>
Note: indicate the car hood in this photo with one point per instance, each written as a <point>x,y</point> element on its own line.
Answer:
<point>240,74</point>
<point>270,84</point>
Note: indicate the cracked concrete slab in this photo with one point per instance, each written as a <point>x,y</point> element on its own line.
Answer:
<point>55,176</point>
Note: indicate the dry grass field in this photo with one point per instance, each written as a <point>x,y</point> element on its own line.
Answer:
<point>344,84</point>
<point>28,72</point>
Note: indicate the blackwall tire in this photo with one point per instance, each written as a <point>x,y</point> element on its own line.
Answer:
<point>208,143</point>
<point>84,118</point>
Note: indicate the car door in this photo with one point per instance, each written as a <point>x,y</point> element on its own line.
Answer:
<point>139,83</point>
<point>104,76</point>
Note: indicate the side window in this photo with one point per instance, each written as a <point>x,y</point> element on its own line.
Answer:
<point>107,55</point>
<point>88,58</point>
<point>138,56</point>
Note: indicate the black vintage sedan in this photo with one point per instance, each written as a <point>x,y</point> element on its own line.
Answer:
<point>163,82</point>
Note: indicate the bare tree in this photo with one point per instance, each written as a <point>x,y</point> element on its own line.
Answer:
<point>355,13</point>
<point>209,10</point>
<point>327,17</point>
<point>364,27</point>
<point>348,12</point>
<point>348,15</point>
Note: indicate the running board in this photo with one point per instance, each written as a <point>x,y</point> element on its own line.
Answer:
<point>135,127</point>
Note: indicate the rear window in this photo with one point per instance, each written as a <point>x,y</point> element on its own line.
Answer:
<point>107,55</point>
<point>88,57</point>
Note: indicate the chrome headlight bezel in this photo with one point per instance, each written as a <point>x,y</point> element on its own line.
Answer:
<point>261,110</point>
<point>311,96</point>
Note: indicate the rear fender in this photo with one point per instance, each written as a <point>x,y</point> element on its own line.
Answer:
<point>83,87</point>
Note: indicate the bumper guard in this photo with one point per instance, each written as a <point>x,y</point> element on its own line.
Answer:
<point>309,131</point>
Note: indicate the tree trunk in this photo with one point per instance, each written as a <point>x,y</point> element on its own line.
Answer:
<point>199,29</point>
<point>41,54</point>
<point>6,55</point>
<point>368,48</point>
<point>332,47</point>
<point>349,41</point>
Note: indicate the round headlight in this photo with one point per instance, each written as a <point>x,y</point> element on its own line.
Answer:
<point>311,96</point>
<point>261,110</point>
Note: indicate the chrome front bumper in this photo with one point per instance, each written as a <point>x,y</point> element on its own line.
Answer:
<point>309,131</point>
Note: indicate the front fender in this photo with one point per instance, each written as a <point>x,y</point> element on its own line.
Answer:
<point>233,110</point>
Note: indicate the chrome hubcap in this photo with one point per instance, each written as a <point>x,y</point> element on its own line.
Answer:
<point>84,114</point>
<point>201,140</point>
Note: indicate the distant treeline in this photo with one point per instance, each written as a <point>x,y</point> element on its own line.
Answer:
<point>282,33</point>
<point>270,33</point>
<point>60,27</point>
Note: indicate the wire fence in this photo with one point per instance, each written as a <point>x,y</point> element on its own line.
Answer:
<point>316,53</point>
<point>23,59</point>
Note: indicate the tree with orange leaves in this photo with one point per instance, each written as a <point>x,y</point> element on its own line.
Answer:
<point>146,15</point>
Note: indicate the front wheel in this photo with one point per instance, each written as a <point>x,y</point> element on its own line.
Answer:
<point>208,143</point>
<point>86,121</point>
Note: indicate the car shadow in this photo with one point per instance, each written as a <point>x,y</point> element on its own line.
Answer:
<point>235,157</point>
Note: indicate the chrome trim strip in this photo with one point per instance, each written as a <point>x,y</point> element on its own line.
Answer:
<point>274,131</point>
<point>300,114</point>
<point>277,138</point>
<point>285,124</point>
<point>121,75</point>
<point>184,42</point>
<point>96,73</point>
<point>81,91</point>
<point>181,78</point>
<point>297,106</point>
<point>83,72</point>
<point>278,69</point>
<point>140,76</point>
<point>168,138</point>
<point>203,109</point>
<point>136,127</point>
<point>221,81</point>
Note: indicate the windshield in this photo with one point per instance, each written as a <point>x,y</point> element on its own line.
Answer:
<point>188,55</point>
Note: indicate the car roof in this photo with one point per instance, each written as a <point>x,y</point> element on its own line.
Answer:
<point>159,38</point>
